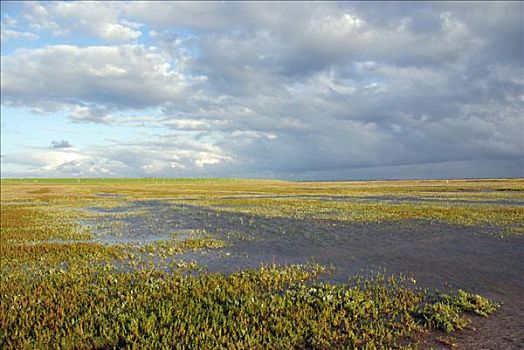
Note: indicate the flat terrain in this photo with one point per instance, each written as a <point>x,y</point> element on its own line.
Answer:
<point>215,263</point>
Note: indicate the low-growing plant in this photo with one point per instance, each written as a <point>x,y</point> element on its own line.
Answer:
<point>447,312</point>
<point>58,291</point>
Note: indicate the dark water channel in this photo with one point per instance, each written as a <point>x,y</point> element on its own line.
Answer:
<point>438,255</point>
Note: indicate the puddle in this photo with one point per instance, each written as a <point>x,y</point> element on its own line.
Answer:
<point>438,255</point>
<point>143,223</point>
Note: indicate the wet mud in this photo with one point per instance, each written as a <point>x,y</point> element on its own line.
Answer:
<point>437,255</point>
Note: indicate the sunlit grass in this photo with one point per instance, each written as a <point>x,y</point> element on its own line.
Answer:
<point>277,307</point>
<point>505,217</point>
<point>60,289</point>
<point>462,202</point>
<point>37,222</point>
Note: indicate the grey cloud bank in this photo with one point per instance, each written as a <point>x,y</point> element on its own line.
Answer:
<point>60,144</point>
<point>291,90</point>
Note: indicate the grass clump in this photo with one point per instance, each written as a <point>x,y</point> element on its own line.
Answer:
<point>23,223</point>
<point>446,312</point>
<point>474,303</point>
<point>49,254</point>
<point>276,307</point>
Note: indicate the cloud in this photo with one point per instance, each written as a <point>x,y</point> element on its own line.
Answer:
<point>88,18</point>
<point>107,77</point>
<point>10,32</point>
<point>86,114</point>
<point>280,89</point>
<point>9,35</point>
<point>161,155</point>
<point>60,144</point>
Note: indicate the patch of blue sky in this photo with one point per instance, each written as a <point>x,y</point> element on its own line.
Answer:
<point>22,130</point>
<point>11,8</point>
<point>44,40</point>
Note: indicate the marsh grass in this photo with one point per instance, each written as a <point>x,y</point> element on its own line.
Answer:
<point>445,311</point>
<point>85,295</point>
<point>276,307</point>
<point>508,219</point>
<point>24,223</point>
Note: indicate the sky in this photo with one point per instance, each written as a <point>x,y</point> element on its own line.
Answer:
<point>289,90</point>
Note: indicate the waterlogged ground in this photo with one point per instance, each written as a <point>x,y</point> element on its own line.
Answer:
<point>438,255</point>
<point>444,236</point>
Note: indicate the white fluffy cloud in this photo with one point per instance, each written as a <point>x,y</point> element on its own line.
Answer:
<point>9,35</point>
<point>99,19</point>
<point>169,155</point>
<point>127,76</point>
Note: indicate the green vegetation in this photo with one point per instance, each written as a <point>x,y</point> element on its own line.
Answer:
<point>444,312</point>
<point>60,289</point>
<point>503,216</point>
<point>493,203</point>
<point>93,307</point>
<point>280,198</point>
<point>31,223</point>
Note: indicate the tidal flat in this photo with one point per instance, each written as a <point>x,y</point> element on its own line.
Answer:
<point>252,264</point>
